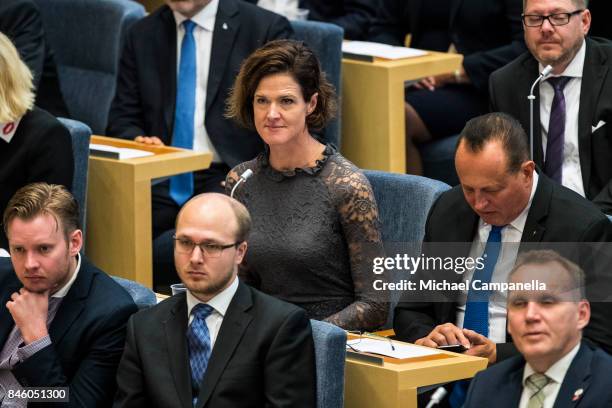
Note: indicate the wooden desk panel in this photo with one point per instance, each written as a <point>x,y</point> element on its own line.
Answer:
<point>119,232</point>
<point>373,119</point>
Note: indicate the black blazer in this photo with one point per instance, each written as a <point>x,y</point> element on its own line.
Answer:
<point>20,20</point>
<point>40,150</point>
<point>87,336</point>
<point>146,85</point>
<point>488,33</point>
<point>501,385</point>
<point>510,86</point>
<point>263,356</point>
<point>557,214</point>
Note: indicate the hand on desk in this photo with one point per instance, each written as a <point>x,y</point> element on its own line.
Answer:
<point>443,335</point>
<point>476,344</point>
<point>150,140</point>
<point>433,82</point>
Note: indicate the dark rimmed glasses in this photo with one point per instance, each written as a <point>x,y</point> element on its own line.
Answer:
<point>556,19</point>
<point>186,246</point>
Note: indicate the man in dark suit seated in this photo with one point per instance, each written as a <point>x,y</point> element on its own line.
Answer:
<point>64,320</point>
<point>176,70</point>
<point>20,20</point>
<point>555,366</point>
<point>572,136</point>
<point>501,198</point>
<point>220,343</point>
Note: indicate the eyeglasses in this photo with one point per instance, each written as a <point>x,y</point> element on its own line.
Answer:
<point>557,19</point>
<point>186,246</point>
<point>356,336</point>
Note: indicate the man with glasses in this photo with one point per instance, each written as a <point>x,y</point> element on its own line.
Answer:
<point>572,140</point>
<point>220,343</point>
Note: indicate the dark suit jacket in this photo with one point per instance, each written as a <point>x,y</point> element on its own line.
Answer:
<point>87,335</point>
<point>146,86</point>
<point>510,86</point>
<point>263,356</point>
<point>501,385</point>
<point>40,150</point>
<point>557,214</point>
<point>488,33</point>
<point>20,21</point>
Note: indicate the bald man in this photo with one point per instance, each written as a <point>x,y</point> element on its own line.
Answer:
<point>220,343</point>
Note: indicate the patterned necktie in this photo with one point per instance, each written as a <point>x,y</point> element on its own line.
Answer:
<point>536,383</point>
<point>198,340</point>
<point>181,185</point>
<point>553,165</point>
<point>477,305</point>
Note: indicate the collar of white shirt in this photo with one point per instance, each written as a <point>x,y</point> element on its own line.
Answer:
<point>220,302</point>
<point>575,67</point>
<point>205,18</point>
<point>519,222</point>
<point>557,371</point>
<point>64,289</point>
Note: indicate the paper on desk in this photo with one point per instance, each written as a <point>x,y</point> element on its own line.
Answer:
<point>380,50</point>
<point>117,152</point>
<point>383,347</point>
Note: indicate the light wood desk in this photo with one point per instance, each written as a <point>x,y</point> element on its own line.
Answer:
<point>395,385</point>
<point>373,107</point>
<point>119,235</point>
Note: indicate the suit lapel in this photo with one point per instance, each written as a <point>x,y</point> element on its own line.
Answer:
<point>73,303</point>
<point>534,225</point>
<point>166,44</point>
<point>235,322</point>
<point>578,376</point>
<point>593,75</point>
<point>175,327</point>
<point>227,25</point>
<point>510,391</point>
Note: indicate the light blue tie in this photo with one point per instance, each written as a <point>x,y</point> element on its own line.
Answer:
<point>181,185</point>
<point>198,341</point>
<point>477,306</point>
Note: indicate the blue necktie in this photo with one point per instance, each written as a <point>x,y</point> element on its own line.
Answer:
<point>477,306</point>
<point>198,341</point>
<point>181,185</point>
<point>553,166</point>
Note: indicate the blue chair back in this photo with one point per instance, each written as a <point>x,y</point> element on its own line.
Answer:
<point>326,41</point>
<point>330,351</point>
<point>403,205</point>
<point>81,135</point>
<point>143,296</point>
<point>87,38</point>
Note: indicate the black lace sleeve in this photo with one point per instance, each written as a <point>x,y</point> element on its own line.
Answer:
<point>358,215</point>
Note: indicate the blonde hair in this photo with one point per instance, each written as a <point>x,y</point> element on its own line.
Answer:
<point>16,87</point>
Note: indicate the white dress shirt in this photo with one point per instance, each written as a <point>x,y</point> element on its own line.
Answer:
<point>556,373</point>
<point>511,233</point>
<point>203,35</point>
<point>219,303</point>
<point>571,171</point>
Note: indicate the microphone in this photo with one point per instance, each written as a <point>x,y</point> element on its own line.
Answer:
<point>243,178</point>
<point>545,72</point>
<point>436,397</point>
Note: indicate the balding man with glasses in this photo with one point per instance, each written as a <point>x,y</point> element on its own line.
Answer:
<point>572,136</point>
<point>220,343</point>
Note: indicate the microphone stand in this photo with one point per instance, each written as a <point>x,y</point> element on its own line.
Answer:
<point>547,70</point>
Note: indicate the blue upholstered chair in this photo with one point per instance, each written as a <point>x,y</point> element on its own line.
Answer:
<point>439,160</point>
<point>86,36</point>
<point>403,204</point>
<point>330,350</point>
<point>81,134</point>
<point>143,296</point>
<point>326,41</point>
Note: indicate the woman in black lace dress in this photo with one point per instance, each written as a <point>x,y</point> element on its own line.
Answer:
<point>315,221</point>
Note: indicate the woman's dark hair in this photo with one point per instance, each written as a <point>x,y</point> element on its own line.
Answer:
<point>282,57</point>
